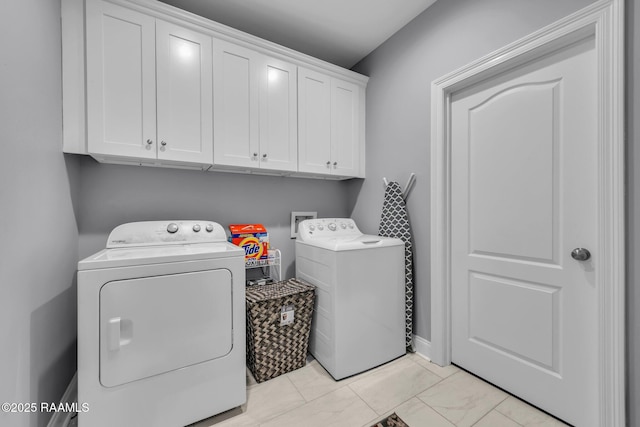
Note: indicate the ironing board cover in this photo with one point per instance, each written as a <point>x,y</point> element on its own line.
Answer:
<point>394,222</point>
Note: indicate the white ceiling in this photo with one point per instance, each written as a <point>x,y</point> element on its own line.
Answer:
<point>338,31</point>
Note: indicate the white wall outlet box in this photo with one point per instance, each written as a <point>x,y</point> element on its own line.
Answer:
<point>296,217</point>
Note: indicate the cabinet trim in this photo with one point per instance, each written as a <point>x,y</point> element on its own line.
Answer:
<point>221,31</point>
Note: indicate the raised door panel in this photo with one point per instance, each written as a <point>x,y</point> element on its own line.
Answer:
<point>235,105</point>
<point>121,92</point>
<point>525,150</point>
<point>345,126</point>
<point>278,115</point>
<point>314,122</point>
<point>185,94</point>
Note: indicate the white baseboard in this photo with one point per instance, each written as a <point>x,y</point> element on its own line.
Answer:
<point>61,419</point>
<point>422,346</point>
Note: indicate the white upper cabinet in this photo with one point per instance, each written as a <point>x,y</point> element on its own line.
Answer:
<point>278,115</point>
<point>346,141</point>
<point>255,109</point>
<point>185,94</point>
<point>149,94</point>
<point>235,106</point>
<point>331,126</point>
<point>314,122</point>
<point>121,83</point>
<point>146,83</point>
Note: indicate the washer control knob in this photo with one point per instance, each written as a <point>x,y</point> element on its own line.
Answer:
<point>332,226</point>
<point>172,228</point>
<point>196,227</point>
<point>343,225</point>
<point>209,228</point>
<point>312,227</point>
<point>320,227</point>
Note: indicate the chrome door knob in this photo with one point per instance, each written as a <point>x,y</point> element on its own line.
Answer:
<point>580,254</point>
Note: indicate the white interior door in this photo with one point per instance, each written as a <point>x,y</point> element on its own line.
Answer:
<point>523,196</point>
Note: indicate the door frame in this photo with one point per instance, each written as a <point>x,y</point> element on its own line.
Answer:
<point>602,20</point>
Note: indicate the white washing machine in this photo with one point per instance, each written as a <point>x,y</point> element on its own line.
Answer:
<point>358,320</point>
<point>161,326</point>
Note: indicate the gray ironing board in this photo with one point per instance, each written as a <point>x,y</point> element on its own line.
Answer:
<point>394,222</point>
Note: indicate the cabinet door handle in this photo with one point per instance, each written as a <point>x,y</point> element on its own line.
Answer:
<point>255,156</point>
<point>329,164</point>
<point>335,164</point>
<point>149,141</point>
<point>264,156</point>
<point>163,143</point>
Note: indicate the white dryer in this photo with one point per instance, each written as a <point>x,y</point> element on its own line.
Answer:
<point>161,326</point>
<point>358,320</point>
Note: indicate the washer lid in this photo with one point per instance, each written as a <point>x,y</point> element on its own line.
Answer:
<point>361,242</point>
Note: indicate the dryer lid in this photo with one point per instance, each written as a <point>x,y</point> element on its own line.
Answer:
<point>155,242</point>
<point>125,257</point>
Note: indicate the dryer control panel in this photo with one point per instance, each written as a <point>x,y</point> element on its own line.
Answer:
<point>326,228</point>
<point>156,233</point>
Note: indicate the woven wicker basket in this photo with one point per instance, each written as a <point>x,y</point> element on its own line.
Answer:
<point>275,347</point>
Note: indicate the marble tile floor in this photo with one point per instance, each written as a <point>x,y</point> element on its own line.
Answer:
<point>420,392</point>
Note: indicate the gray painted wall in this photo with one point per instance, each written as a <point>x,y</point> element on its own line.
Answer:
<point>110,195</point>
<point>447,36</point>
<point>38,253</point>
<point>40,189</point>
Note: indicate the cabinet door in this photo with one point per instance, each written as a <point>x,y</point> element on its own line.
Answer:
<point>185,94</point>
<point>345,128</point>
<point>235,105</point>
<point>121,92</point>
<point>278,115</point>
<point>314,122</point>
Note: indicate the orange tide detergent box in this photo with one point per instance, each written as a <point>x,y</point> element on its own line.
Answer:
<point>253,238</point>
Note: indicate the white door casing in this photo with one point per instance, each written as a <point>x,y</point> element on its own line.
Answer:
<point>601,21</point>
